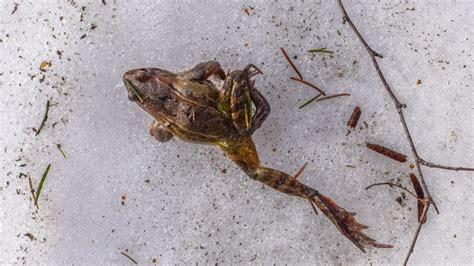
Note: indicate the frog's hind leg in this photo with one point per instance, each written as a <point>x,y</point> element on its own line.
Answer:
<point>160,131</point>
<point>340,217</point>
<point>203,71</point>
<point>244,154</point>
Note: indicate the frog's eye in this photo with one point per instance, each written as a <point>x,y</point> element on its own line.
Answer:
<point>142,76</point>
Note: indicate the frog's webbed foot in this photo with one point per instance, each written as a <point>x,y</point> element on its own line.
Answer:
<point>345,222</point>
<point>159,131</point>
<point>203,71</point>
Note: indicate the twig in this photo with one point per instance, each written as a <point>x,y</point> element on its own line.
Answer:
<point>454,168</point>
<point>394,185</point>
<point>291,63</point>
<point>40,186</point>
<point>309,84</point>
<point>421,218</point>
<point>428,200</point>
<point>130,258</point>
<point>45,117</point>
<point>32,190</point>
<point>346,18</point>
<point>418,229</point>
<point>397,103</point>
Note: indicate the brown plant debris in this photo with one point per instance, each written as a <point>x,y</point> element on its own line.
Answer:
<point>15,8</point>
<point>291,64</point>
<point>32,190</point>
<point>248,10</point>
<point>420,194</point>
<point>352,123</point>
<point>45,65</point>
<point>309,84</point>
<point>128,256</point>
<point>387,152</point>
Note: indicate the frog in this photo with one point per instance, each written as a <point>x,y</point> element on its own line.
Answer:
<point>189,106</point>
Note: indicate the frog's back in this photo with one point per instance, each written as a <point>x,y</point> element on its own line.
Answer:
<point>198,123</point>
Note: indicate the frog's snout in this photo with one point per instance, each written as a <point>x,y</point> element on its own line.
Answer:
<point>134,80</point>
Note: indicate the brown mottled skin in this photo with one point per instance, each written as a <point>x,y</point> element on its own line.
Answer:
<point>187,105</point>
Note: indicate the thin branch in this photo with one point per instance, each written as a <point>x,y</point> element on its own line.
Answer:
<point>394,185</point>
<point>309,84</point>
<point>346,18</point>
<point>291,63</point>
<point>454,168</point>
<point>418,229</point>
<point>397,103</point>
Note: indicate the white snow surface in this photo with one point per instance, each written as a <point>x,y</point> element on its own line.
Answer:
<point>178,204</point>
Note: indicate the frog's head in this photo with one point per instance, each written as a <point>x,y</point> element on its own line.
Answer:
<point>145,85</point>
<point>149,88</point>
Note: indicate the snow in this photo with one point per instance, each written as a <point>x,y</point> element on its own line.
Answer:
<point>121,191</point>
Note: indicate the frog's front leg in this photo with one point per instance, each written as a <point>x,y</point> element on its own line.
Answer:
<point>236,98</point>
<point>160,131</point>
<point>203,71</point>
<point>262,109</point>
